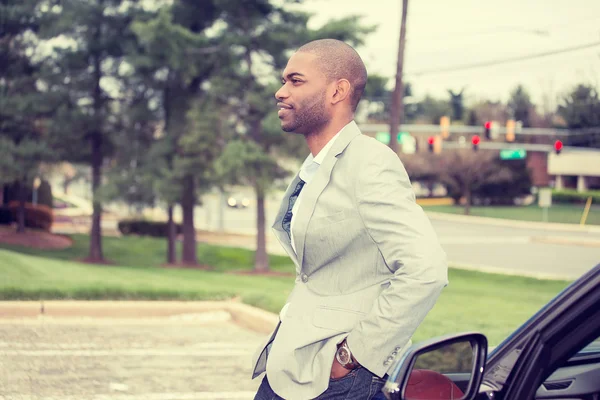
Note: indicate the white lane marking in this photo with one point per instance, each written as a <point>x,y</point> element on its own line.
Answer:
<point>125,352</point>
<point>144,396</point>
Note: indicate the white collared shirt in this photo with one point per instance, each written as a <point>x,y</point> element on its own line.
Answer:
<point>307,172</point>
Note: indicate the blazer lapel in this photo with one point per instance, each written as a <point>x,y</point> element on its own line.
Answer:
<point>277,227</point>
<point>317,185</point>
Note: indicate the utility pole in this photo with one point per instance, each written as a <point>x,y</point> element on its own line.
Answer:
<point>397,111</point>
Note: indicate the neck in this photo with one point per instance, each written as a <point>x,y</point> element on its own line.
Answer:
<point>318,139</point>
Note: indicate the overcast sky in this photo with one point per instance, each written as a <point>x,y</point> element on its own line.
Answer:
<point>447,33</point>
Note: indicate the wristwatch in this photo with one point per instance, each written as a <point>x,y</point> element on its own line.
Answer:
<point>344,356</point>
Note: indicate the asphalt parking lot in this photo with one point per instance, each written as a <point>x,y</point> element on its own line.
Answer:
<point>183,357</point>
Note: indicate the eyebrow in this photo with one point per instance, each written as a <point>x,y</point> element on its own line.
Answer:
<point>293,74</point>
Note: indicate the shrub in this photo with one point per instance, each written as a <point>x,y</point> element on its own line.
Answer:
<point>505,191</point>
<point>36,216</point>
<point>573,196</point>
<point>146,228</point>
<point>5,216</point>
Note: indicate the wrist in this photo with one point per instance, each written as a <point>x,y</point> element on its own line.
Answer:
<point>345,357</point>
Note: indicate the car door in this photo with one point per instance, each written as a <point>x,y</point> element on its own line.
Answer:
<point>569,325</point>
<point>518,366</point>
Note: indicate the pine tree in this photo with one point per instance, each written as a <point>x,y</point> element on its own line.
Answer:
<point>85,76</point>
<point>23,106</point>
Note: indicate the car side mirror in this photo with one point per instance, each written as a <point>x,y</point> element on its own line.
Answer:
<point>444,368</point>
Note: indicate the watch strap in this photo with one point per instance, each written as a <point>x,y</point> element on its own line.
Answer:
<point>352,364</point>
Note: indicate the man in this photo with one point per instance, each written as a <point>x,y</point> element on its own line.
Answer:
<point>369,266</point>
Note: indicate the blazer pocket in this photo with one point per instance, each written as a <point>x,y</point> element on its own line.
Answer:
<point>332,218</point>
<point>336,319</point>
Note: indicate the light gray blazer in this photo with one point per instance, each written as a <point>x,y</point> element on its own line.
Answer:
<point>369,268</point>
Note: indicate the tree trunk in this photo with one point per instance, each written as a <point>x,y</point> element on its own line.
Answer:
<point>188,201</point>
<point>21,209</point>
<point>261,260</point>
<point>171,236</point>
<point>95,254</point>
<point>397,110</point>
<point>67,180</point>
<point>468,200</point>
<point>171,230</point>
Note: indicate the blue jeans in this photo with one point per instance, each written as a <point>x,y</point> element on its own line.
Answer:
<point>359,384</point>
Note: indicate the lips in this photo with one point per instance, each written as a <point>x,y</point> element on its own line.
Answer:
<point>283,109</point>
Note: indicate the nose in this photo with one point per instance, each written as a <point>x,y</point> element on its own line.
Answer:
<point>282,93</point>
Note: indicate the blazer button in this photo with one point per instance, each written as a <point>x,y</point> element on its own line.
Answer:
<point>304,278</point>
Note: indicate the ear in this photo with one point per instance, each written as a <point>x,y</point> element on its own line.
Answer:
<point>342,91</point>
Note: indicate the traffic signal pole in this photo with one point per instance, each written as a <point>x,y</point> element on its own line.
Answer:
<point>397,111</point>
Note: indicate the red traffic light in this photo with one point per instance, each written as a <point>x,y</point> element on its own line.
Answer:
<point>430,142</point>
<point>558,145</point>
<point>475,140</point>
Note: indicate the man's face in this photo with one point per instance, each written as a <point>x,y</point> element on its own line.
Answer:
<point>302,98</point>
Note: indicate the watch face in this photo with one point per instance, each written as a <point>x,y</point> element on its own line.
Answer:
<point>344,355</point>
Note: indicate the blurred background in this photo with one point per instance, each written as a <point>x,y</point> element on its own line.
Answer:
<point>164,110</point>
<point>143,135</point>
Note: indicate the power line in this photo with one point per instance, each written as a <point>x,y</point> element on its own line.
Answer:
<point>496,31</point>
<point>504,61</point>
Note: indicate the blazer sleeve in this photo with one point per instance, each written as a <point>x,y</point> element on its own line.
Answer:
<point>412,252</point>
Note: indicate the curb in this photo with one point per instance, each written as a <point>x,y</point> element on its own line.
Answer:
<point>246,316</point>
<point>513,222</point>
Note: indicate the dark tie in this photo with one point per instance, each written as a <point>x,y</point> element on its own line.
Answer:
<point>287,218</point>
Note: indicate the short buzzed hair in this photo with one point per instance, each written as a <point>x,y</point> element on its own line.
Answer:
<point>338,60</point>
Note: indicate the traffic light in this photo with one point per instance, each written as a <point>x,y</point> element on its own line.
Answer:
<point>475,140</point>
<point>430,143</point>
<point>488,129</point>
<point>558,145</point>
<point>510,130</point>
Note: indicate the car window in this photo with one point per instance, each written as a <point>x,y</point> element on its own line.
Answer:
<point>592,348</point>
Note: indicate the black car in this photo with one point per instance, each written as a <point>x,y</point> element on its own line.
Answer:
<point>554,355</point>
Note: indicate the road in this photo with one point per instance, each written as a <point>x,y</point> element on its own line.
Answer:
<point>534,251</point>
<point>545,252</point>
<point>185,357</point>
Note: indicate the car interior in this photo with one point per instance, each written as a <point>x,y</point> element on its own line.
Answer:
<point>577,379</point>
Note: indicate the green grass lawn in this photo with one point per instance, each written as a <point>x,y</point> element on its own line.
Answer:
<point>562,213</point>
<point>137,251</point>
<point>489,303</point>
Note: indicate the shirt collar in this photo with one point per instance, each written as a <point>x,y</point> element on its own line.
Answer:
<point>311,163</point>
<point>321,155</point>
